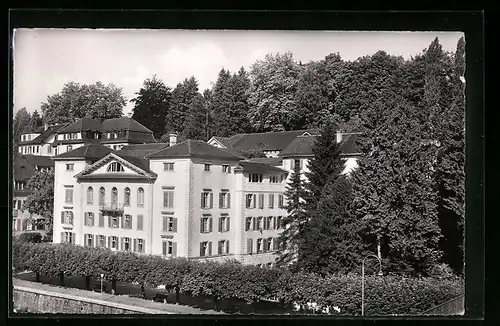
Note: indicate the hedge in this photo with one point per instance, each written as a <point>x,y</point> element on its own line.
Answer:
<point>385,295</point>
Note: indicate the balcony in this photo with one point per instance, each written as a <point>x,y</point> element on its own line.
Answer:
<point>111,207</point>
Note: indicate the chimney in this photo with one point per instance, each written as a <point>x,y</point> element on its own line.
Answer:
<point>339,136</point>
<point>172,139</point>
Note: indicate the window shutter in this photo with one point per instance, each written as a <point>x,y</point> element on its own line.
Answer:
<point>109,242</point>
<point>130,223</point>
<point>165,223</point>
<point>109,221</point>
<point>143,245</point>
<point>264,244</point>
<point>221,204</point>
<point>228,198</point>
<point>201,249</point>
<point>201,225</point>
<point>254,224</point>
<point>122,243</point>
<point>73,238</point>
<point>211,200</point>
<point>220,224</point>
<point>249,246</point>
<point>227,246</point>
<point>171,198</point>
<point>254,200</point>
<point>71,218</point>
<point>85,240</point>
<point>202,206</point>
<point>210,224</point>
<point>135,245</point>
<point>164,248</point>
<point>247,225</point>
<point>174,249</point>
<point>101,220</point>
<point>210,248</point>
<point>274,223</point>
<point>122,220</point>
<point>227,223</point>
<point>175,223</point>
<point>219,247</point>
<point>62,237</point>
<point>62,217</point>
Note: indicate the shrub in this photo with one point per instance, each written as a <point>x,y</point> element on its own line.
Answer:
<point>33,237</point>
<point>231,280</point>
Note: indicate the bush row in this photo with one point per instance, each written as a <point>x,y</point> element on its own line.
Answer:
<point>231,280</point>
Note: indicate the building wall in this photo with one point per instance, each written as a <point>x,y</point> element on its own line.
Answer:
<point>19,216</point>
<point>63,148</point>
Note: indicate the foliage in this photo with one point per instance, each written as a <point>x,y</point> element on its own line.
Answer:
<point>41,198</point>
<point>151,105</point>
<point>21,120</point>
<point>248,154</point>
<point>35,121</point>
<point>230,280</point>
<point>75,101</point>
<point>34,237</point>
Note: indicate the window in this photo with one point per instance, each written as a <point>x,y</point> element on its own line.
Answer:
<point>168,166</point>
<point>271,200</point>
<point>115,167</point>
<point>223,247</point>
<point>224,199</point>
<point>274,179</point>
<point>260,223</point>
<point>255,177</point>
<point>89,240</point>
<point>169,224</point>
<point>261,201</point>
<point>140,197</point>
<point>90,195</point>
<point>102,196</point>
<point>224,223</point>
<point>207,199</point>
<point>207,167</point>
<point>126,244</point>
<point>114,196</point>
<point>96,135</point>
<point>270,223</point>
<point>281,200</point>
<point>226,168</point>
<point>49,149</point>
<point>101,220</point>
<point>169,248</point>
<point>69,148</point>
<point>279,222</point>
<point>206,224</point>
<point>275,244</point>
<point>139,245</point>
<point>68,198</point>
<point>250,201</point>
<point>248,224</point>
<point>101,241</point>
<point>205,249</point>
<point>113,242</point>
<point>68,237</point>
<point>168,198</point>
<point>268,244</point>
<point>127,221</point>
<point>139,222</point>
<point>249,246</point>
<point>89,219</point>
<point>260,245</point>
<point>126,200</point>
<point>113,222</point>
<point>67,217</point>
<point>297,164</point>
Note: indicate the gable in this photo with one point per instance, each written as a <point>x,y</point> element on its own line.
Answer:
<point>216,143</point>
<point>114,167</point>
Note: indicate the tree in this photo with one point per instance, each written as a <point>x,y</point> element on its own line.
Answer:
<point>21,120</point>
<point>220,104</point>
<point>35,121</point>
<point>274,83</point>
<point>151,105</point>
<point>194,125</point>
<point>295,220</point>
<point>450,168</point>
<point>41,199</point>
<point>75,101</point>
<point>35,237</point>
<point>331,241</point>
<point>393,188</point>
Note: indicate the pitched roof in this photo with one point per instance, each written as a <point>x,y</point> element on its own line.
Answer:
<point>259,167</point>
<point>91,152</point>
<point>26,130</point>
<point>141,150</point>
<point>82,125</point>
<point>300,146</point>
<point>23,169</point>
<point>123,123</point>
<point>276,161</point>
<point>194,148</point>
<point>266,141</point>
<point>38,160</point>
<point>223,140</point>
<point>140,162</point>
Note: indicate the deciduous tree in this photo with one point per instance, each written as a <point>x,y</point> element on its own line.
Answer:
<point>41,198</point>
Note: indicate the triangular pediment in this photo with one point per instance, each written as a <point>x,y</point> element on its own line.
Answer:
<point>216,143</point>
<point>113,166</point>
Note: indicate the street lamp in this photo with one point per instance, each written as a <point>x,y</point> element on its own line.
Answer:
<point>363,280</point>
<point>102,275</point>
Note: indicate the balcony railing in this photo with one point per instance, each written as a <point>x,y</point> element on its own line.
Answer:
<point>111,207</point>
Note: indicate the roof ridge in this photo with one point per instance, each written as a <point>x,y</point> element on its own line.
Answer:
<point>269,132</point>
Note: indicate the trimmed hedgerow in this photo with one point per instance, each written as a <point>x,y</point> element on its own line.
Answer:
<point>386,295</point>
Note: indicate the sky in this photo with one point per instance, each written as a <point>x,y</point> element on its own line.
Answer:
<point>46,59</point>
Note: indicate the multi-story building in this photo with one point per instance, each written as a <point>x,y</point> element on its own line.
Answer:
<point>190,199</point>
<point>40,141</point>
<point>25,167</point>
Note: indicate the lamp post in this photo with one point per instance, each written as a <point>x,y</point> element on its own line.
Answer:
<point>363,280</point>
<point>102,276</point>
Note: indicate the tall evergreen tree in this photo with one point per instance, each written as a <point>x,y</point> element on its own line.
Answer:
<point>295,220</point>
<point>151,105</point>
<point>194,124</point>
<point>221,102</point>
<point>183,96</point>
<point>21,120</point>
<point>35,121</point>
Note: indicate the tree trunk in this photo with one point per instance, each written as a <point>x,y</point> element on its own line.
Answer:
<point>37,277</point>
<point>61,278</point>
<point>177,295</point>
<point>379,255</point>
<point>143,291</point>
<point>215,303</point>
<point>113,286</point>
<point>87,282</point>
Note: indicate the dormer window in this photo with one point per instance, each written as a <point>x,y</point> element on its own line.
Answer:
<point>115,167</point>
